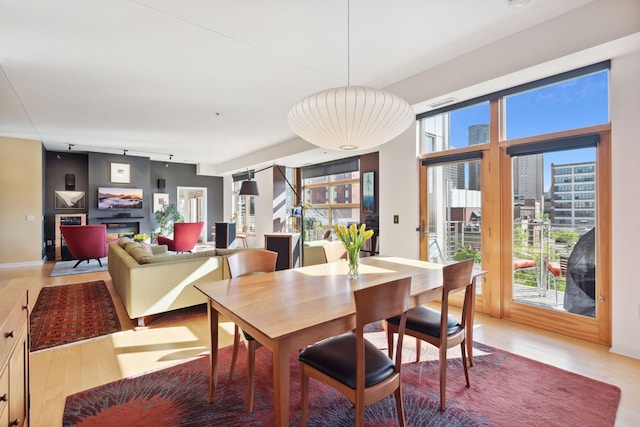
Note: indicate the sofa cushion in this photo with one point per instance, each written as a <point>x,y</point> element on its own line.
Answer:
<point>164,258</point>
<point>226,252</point>
<point>159,249</point>
<point>131,245</point>
<point>170,257</point>
<point>141,255</point>
<point>122,242</point>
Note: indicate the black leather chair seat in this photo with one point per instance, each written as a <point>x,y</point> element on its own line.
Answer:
<point>336,357</point>
<point>426,321</point>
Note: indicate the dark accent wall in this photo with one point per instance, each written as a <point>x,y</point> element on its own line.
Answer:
<point>370,162</point>
<point>100,176</point>
<point>184,175</point>
<point>57,165</point>
<point>43,161</point>
<point>93,170</point>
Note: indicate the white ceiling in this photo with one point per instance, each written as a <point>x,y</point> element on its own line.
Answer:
<point>209,81</point>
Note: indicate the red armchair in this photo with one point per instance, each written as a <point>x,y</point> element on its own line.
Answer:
<point>185,236</point>
<point>86,242</point>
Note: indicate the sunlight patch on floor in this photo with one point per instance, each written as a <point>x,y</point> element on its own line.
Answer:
<point>143,350</point>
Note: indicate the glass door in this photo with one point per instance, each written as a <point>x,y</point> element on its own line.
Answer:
<point>453,228</point>
<point>559,264</point>
<point>542,230</point>
<point>192,203</point>
<point>554,253</point>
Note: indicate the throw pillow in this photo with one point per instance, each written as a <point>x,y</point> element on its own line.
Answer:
<point>147,247</point>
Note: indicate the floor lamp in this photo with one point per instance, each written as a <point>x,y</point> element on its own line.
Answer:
<point>249,187</point>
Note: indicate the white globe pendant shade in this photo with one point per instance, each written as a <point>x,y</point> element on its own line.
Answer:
<point>351,117</point>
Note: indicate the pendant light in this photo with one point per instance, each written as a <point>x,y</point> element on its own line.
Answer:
<point>351,117</point>
<point>249,188</point>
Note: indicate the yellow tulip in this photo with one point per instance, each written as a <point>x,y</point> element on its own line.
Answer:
<point>362,228</point>
<point>353,228</point>
<point>368,234</point>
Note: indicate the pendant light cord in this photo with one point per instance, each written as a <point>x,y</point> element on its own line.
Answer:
<point>348,43</point>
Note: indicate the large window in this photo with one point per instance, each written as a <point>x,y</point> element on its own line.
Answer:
<point>570,104</point>
<point>458,128</point>
<point>545,195</point>
<point>330,199</point>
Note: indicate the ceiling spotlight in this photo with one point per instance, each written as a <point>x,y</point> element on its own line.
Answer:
<point>124,152</point>
<point>170,156</point>
<point>71,145</point>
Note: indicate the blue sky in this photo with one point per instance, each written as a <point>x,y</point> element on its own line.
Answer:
<point>572,104</point>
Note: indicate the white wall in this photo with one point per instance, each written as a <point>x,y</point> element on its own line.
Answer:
<point>398,187</point>
<point>625,111</point>
<point>582,29</point>
<point>584,36</point>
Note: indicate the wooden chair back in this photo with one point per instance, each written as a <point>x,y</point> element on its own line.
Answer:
<point>381,302</point>
<point>442,332</point>
<point>455,277</point>
<point>252,261</point>
<point>334,251</point>
<point>373,304</point>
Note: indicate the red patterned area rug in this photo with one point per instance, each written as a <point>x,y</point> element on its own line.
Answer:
<point>506,390</point>
<point>69,313</point>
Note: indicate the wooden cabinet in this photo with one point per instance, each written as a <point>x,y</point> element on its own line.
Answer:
<point>287,245</point>
<point>14,357</point>
<point>66,219</point>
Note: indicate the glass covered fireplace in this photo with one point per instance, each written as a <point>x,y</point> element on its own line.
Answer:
<point>116,230</point>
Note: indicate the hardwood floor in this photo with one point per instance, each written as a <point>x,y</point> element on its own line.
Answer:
<point>62,371</point>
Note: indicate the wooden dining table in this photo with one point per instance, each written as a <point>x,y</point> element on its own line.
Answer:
<point>290,309</point>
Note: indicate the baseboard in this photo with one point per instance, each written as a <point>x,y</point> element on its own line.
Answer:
<point>24,264</point>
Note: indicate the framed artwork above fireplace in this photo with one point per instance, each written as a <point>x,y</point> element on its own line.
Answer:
<point>121,173</point>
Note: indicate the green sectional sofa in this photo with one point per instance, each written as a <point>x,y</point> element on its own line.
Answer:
<point>151,280</point>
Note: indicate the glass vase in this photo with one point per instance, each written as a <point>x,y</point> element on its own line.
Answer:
<point>353,258</point>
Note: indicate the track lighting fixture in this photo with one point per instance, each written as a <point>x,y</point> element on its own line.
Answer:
<point>71,145</point>
<point>170,156</point>
<point>124,152</point>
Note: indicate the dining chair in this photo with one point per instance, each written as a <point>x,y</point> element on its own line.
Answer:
<point>354,366</point>
<point>242,236</point>
<point>438,328</point>
<point>333,251</point>
<point>242,263</point>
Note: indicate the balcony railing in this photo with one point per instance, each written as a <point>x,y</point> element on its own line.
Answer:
<point>542,243</point>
